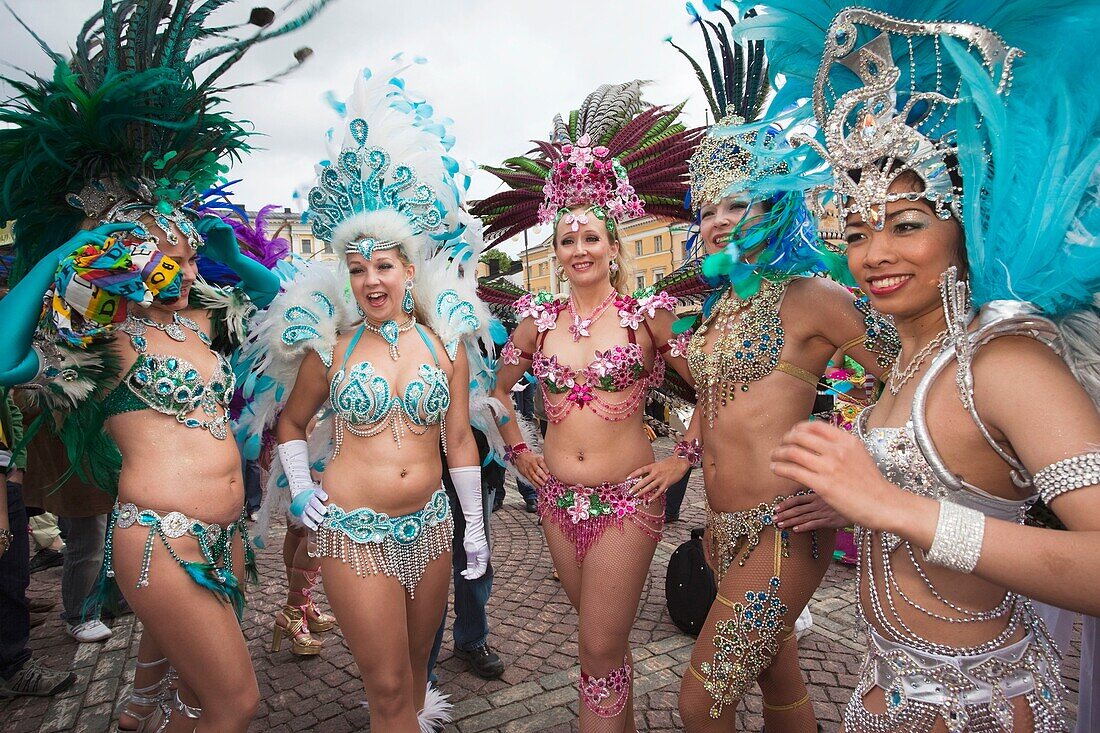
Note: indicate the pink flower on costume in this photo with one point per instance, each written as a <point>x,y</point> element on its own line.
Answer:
<point>597,689</point>
<point>581,394</point>
<point>509,353</point>
<point>661,300</point>
<point>678,345</point>
<point>578,512</point>
<point>546,319</point>
<point>525,306</point>
<point>575,220</point>
<point>622,505</point>
<point>630,318</point>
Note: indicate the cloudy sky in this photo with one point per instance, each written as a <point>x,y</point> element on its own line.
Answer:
<point>500,68</point>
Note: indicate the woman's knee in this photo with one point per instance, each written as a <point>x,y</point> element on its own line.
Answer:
<point>389,692</point>
<point>601,651</point>
<point>238,701</point>
<point>783,675</point>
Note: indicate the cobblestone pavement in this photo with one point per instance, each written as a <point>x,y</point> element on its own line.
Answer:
<point>533,631</point>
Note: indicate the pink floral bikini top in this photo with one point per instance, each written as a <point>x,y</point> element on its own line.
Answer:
<point>620,369</point>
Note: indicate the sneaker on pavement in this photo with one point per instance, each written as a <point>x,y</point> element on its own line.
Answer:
<point>89,631</point>
<point>532,505</point>
<point>483,661</point>
<point>47,558</point>
<point>35,680</point>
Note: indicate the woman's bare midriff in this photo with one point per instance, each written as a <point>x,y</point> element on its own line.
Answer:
<point>168,467</point>
<point>585,449</point>
<point>373,472</point>
<point>737,450</point>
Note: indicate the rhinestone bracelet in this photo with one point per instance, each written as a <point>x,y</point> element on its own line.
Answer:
<point>691,451</point>
<point>958,541</point>
<point>512,452</point>
<point>1075,472</point>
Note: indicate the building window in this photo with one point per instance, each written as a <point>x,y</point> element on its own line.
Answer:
<point>328,248</point>
<point>307,245</point>
<point>638,248</point>
<point>657,275</point>
<point>639,281</point>
<point>542,268</point>
<point>659,243</point>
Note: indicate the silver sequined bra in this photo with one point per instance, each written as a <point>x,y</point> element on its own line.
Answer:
<point>970,688</point>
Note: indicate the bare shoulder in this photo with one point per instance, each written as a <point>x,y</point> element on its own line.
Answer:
<point>820,301</point>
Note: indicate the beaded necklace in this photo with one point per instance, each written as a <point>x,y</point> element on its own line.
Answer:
<point>750,339</point>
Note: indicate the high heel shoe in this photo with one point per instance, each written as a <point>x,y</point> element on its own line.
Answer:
<point>317,621</point>
<point>152,697</point>
<point>290,622</point>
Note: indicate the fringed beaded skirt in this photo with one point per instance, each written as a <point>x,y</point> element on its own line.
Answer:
<point>374,542</point>
<point>584,512</point>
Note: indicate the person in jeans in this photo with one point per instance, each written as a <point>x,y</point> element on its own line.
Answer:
<point>20,673</point>
<point>471,627</point>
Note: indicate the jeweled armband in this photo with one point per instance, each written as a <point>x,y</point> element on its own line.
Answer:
<point>1075,472</point>
<point>691,451</point>
<point>958,541</point>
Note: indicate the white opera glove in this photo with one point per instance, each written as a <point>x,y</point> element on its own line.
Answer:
<point>467,483</point>
<point>306,497</point>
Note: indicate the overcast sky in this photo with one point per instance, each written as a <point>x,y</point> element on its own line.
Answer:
<point>500,68</point>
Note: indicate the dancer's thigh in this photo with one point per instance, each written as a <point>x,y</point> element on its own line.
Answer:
<point>564,554</point>
<point>612,578</point>
<point>196,631</point>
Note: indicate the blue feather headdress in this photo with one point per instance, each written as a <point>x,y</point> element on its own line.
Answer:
<point>992,110</point>
<point>784,242</point>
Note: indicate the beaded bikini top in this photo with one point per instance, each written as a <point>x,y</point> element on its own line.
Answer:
<point>620,369</point>
<point>366,404</point>
<point>171,385</point>
<point>750,340</point>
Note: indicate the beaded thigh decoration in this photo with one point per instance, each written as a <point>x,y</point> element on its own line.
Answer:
<point>616,685</point>
<point>584,512</point>
<point>746,643</point>
<point>215,573</point>
<point>738,533</point>
<point>747,348</point>
<point>374,542</point>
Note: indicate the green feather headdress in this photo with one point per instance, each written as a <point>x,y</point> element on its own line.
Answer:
<point>137,109</point>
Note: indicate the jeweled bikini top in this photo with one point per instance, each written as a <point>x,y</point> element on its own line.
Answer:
<point>171,385</point>
<point>620,369</point>
<point>366,404</point>
<point>750,340</point>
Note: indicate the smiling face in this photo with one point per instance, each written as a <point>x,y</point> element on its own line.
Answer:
<point>717,221</point>
<point>586,254</point>
<point>899,267</point>
<point>378,284</point>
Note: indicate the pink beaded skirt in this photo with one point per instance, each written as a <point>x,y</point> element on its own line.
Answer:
<point>584,512</point>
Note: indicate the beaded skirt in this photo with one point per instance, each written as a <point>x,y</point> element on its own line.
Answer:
<point>375,543</point>
<point>584,512</point>
<point>975,693</point>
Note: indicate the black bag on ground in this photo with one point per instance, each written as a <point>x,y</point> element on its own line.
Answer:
<point>689,585</point>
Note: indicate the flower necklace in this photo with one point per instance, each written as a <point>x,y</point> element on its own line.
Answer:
<point>898,378</point>
<point>390,331</point>
<point>580,326</point>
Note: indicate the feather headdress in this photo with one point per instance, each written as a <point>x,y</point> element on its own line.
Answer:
<point>135,115</point>
<point>614,151</point>
<point>1000,94</point>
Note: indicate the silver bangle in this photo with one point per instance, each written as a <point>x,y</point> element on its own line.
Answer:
<point>958,541</point>
<point>1069,474</point>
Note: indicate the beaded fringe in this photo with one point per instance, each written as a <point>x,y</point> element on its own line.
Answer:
<point>405,562</point>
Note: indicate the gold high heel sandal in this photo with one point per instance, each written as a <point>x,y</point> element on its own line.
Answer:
<point>290,622</point>
<point>317,621</point>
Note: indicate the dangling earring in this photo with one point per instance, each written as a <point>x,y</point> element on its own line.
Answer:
<point>560,272</point>
<point>407,304</point>
<point>614,267</point>
<point>359,308</point>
